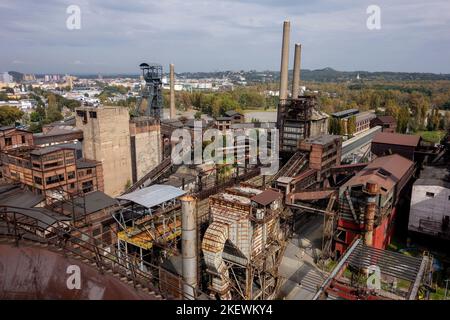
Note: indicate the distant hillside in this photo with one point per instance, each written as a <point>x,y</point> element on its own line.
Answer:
<point>319,75</point>
<point>17,76</point>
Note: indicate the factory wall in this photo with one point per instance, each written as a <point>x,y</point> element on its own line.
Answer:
<point>107,139</point>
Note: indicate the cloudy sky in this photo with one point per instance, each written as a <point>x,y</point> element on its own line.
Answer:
<point>208,35</point>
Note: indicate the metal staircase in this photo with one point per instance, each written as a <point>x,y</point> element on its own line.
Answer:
<point>294,165</point>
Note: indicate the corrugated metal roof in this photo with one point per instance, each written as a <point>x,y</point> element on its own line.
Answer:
<point>152,196</point>
<point>386,119</point>
<point>267,196</point>
<point>397,139</point>
<point>90,203</point>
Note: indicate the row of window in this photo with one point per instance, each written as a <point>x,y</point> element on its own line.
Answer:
<point>54,179</point>
<point>8,141</point>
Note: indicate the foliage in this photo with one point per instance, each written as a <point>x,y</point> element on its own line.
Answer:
<point>9,115</point>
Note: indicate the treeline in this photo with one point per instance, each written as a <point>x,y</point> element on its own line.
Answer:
<point>217,103</point>
<point>417,106</point>
<point>50,107</point>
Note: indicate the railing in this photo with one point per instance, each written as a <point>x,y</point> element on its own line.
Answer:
<point>35,225</point>
<point>201,195</point>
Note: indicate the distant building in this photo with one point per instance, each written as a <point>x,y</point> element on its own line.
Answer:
<point>11,137</point>
<point>362,120</point>
<point>6,78</point>
<point>387,123</point>
<point>385,143</point>
<point>430,203</point>
<point>236,117</point>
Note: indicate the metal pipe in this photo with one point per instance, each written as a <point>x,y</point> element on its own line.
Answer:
<point>369,220</point>
<point>189,246</point>
<point>172,92</point>
<point>296,76</point>
<point>284,62</point>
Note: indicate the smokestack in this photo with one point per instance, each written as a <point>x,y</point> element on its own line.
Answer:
<point>189,246</point>
<point>284,62</point>
<point>371,207</point>
<point>297,66</point>
<point>172,92</point>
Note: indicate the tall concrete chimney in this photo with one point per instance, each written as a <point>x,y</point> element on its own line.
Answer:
<point>189,246</point>
<point>172,92</point>
<point>297,66</point>
<point>284,62</point>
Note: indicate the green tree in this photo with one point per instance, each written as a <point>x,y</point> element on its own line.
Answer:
<point>9,115</point>
<point>53,113</point>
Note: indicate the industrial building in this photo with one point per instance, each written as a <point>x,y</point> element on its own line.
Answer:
<point>51,170</point>
<point>430,203</point>
<point>208,231</point>
<point>367,202</point>
<point>387,123</point>
<point>11,137</point>
<point>385,143</point>
<point>243,244</point>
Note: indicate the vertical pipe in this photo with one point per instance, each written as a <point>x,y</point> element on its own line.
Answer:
<point>284,62</point>
<point>297,66</point>
<point>172,92</point>
<point>189,246</point>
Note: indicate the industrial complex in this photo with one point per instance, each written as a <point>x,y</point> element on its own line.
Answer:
<point>104,193</point>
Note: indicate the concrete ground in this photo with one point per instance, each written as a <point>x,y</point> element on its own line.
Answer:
<point>301,275</point>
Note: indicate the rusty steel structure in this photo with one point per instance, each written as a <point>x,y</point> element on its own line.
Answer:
<point>33,227</point>
<point>244,243</point>
<point>398,277</point>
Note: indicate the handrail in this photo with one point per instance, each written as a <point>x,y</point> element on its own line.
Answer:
<point>90,249</point>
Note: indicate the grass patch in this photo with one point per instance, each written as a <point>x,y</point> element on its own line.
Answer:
<point>433,136</point>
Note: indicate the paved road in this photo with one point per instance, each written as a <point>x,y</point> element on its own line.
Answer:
<point>301,275</point>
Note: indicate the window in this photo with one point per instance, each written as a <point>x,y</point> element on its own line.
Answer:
<point>89,171</point>
<point>87,186</point>
<point>8,142</point>
<point>71,175</point>
<point>96,232</point>
<point>23,139</point>
<point>92,114</point>
<point>54,179</point>
<point>72,185</point>
<point>38,180</point>
<point>83,115</point>
<point>430,194</point>
<point>52,164</point>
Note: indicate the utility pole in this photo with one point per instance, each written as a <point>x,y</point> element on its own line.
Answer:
<point>446,287</point>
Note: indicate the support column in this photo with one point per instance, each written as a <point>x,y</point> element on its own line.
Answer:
<point>189,245</point>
